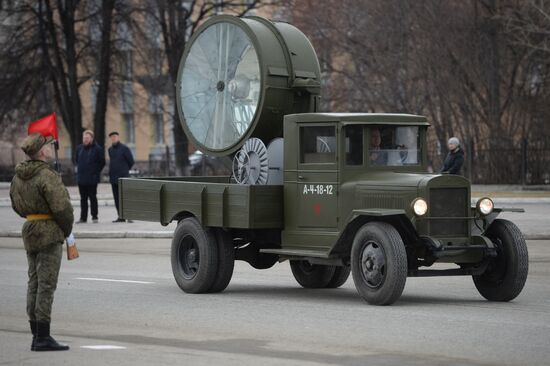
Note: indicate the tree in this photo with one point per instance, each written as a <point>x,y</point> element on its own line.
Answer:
<point>458,63</point>
<point>103,69</point>
<point>48,54</point>
<point>38,50</point>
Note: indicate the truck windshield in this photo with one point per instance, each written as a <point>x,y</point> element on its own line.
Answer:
<point>394,145</point>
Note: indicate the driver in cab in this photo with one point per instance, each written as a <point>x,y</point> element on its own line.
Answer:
<point>377,156</point>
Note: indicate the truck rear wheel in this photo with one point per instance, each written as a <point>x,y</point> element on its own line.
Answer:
<point>506,274</point>
<point>194,256</point>
<point>379,263</point>
<point>340,276</point>
<point>311,275</point>
<point>226,260</point>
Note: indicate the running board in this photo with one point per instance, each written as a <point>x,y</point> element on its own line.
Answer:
<point>297,253</point>
<point>447,272</point>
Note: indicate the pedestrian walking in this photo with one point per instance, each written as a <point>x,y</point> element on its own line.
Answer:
<point>120,163</point>
<point>90,160</point>
<point>37,194</point>
<point>455,158</point>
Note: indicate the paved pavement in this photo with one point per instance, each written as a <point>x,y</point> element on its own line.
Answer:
<point>11,223</point>
<point>120,293</point>
<point>535,223</point>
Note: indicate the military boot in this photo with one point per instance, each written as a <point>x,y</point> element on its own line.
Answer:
<point>33,331</point>
<point>44,342</point>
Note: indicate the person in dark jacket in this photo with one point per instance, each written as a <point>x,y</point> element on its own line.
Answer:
<point>90,160</point>
<point>455,157</point>
<point>121,161</point>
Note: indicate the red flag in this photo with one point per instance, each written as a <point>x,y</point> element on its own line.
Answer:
<point>46,126</point>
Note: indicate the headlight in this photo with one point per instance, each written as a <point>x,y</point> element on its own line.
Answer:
<point>485,206</point>
<point>420,207</point>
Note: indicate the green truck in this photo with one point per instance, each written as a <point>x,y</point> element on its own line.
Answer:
<point>333,193</point>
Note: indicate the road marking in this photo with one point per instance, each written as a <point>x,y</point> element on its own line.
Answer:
<point>102,347</point>
<point>112,280</point>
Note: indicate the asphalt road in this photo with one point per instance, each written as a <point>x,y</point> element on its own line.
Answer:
<point>264,317</point>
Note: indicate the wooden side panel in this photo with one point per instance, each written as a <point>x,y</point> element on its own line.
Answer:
<point>140,200</point>
<point>214,204</point>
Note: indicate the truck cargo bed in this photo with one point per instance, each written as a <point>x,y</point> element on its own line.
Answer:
<point>212,200</point>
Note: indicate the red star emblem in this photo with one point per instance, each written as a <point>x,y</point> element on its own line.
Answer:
<point>317,209</point>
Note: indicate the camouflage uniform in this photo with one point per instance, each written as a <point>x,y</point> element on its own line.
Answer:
<point>38,189</point>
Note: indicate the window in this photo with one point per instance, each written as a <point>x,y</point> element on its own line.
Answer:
<point>126,97</point>
<point>93,94</point>
<point>317,145</point>
<point>155,110</point>
<point>129,128</point>
<point>394,146</point>
<point>158,125</point>
<point>354,145</point>
<point>127,64</point>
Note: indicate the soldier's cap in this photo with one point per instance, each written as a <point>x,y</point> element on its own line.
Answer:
<point>34,142</point>
<point>113,133</point>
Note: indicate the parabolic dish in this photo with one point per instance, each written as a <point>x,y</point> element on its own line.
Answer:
<point>220,86</point>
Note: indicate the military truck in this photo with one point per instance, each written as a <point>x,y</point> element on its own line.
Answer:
<point>332,193</point>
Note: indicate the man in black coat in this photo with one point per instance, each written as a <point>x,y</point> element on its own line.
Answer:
<point>121,161</point>
<point>455,157</point>
<point>90,160</point>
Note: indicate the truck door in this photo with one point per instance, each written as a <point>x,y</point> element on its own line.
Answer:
<point>317,176</point>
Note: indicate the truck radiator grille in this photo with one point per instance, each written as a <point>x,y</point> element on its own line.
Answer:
<point>449,202</point>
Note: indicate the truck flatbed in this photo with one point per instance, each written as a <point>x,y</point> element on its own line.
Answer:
<point>212,200</point>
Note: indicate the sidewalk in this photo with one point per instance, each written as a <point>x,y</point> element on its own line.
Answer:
<point>11,223</point>
<point>534,223</point>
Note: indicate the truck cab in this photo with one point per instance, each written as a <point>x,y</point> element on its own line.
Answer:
<point>356,183</point>
<point>340,166</point>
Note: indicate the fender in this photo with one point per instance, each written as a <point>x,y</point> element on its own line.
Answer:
<point>357,218</point>
<point>481,223</point>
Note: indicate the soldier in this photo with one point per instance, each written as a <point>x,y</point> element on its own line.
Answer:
<point>37,194</point>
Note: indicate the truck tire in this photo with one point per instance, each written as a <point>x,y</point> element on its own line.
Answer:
<point>506,274</point>
<point>340,276</point>
<point>226,260</point>
<point>311,275</point>
<point>194,256</point>
<point>379,263</point>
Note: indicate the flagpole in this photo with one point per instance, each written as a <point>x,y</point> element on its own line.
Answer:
<point>56,164</point>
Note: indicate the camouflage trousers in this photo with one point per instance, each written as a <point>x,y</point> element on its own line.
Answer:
<point>43,273</point>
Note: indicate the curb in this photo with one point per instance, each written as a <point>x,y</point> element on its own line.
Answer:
<point>74,203</point>
<point>104,234</point>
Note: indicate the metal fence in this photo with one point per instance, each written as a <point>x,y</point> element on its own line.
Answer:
<point>524,166</point>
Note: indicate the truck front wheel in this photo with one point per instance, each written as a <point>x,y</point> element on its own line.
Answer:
<point>379,263</point>
<point>506,274</point>
<point>312,275</point>
<point>194,256</point>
